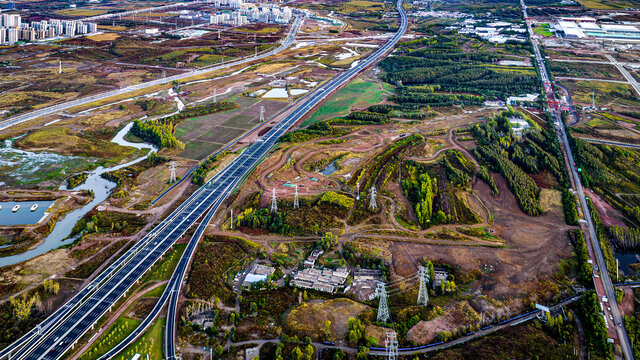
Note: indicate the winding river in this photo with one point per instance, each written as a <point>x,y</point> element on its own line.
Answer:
<point>101,188</point>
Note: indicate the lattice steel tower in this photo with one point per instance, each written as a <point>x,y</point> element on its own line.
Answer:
<point>372,198</point>
<point>391,344</point>
<point>172,168</point>
<point>383,308</point>
<point>296,202</point>
<point>274,201</point>
<point>423,295</point>
<point>357,191</point>
<point>261,113</point>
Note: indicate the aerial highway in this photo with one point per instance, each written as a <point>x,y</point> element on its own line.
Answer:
<point>54,109</point>
<point>603,284</point>
<point>237,170</point>
<point>57,334</point>
<point>131,263</point>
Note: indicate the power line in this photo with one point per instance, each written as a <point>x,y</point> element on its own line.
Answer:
<point>296,202</point>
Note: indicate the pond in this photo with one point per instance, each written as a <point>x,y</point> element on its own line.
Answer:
<point>276,93</point>
<point>101,188</point>
<point>330,169</point>
<point>24,216</point>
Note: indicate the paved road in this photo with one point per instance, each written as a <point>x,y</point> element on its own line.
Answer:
<point>173,291</point>
<point>603,283</point>
<point>625,73</point>
<point>430,347</point>
<point>614,143</point>
<point>53,109</point>
<point>590,79</point>
<point>58,332</point>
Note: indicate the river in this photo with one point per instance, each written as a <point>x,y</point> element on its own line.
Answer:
<point>101,188</point>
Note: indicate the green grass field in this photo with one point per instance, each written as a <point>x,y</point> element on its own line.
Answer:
<point>542,29</point>
<point>150,343</point>
<point>122,327</point>
<point>163,269</point>
<point>359,93</point>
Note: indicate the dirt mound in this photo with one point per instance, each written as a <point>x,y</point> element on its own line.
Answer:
<point>309,318</point>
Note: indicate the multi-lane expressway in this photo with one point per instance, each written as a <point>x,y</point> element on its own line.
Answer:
<point>147,244</point>
<point>58,333</point>
<point>172,291</point>
<point>54,109</point>
<point>603,284</point>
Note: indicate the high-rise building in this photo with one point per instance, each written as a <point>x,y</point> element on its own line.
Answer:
<point>12,35</point>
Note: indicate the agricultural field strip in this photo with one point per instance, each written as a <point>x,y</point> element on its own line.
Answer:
<point>92,98</point>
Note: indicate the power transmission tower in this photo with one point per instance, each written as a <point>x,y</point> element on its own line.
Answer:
<point>357,191</point>
<point>593,101</point>
<point>231,226</point>
<point>215,95</point>
<point>219,34</point>
<point>261,113</point>
<point>391,344</point>
<point>296,202</point>
<point>172,167</point>
<point>423,295</point>
<point>274,201</point>
<point>372,199</point>
<point>383,308</point>
<point>59,66</point>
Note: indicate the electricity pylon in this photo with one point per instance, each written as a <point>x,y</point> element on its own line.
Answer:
<point>296,202</point>
<point>357,191</point>
<point>215,100</point>
<point>372,199</point>
<point>231,226</point>
<point>261,113</point>
<point>423,295</point>
<point>391,344</point>
<point>383,308</point>
<point>274,201</point>
<point>172,167</point>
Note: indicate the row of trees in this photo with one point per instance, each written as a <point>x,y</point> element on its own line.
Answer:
<point>484,175</point>
<point>582,256</point>
<point>626,238</point>
<point>522,186</point>
<point>420,189</point>
<point>204,167</point>
<point>156,132</point>
<point>569,208</point>
<point>595,331</point>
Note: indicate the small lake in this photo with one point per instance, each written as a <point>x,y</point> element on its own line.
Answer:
<point>330,169</point>
<point>101,188</point>
<point>625,259</point>
<point>24,216</point>
<point>276,93</point>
